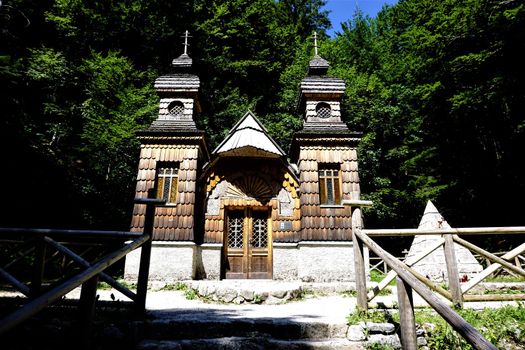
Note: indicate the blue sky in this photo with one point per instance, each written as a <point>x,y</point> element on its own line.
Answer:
<point>342,10</point>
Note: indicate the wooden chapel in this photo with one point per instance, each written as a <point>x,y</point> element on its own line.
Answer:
<point>247,210</point>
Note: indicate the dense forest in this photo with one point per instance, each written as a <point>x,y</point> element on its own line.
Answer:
<point>436,87</point>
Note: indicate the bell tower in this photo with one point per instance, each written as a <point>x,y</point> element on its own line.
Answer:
<point>172,154</point>
<point>325,151</point>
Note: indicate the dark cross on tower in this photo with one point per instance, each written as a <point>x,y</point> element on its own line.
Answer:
<point>186,36</point>
<point>315,43</point>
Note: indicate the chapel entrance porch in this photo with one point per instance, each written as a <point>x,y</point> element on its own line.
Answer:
<point>247,244</point>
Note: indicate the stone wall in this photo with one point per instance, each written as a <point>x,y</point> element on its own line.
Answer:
<point>170,261</point>
<point>312,261</point>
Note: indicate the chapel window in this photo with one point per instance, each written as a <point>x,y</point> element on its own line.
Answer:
<point>167,181</point>
<point>176,108</point>
<point>329,185</point>
<point>323,110</point>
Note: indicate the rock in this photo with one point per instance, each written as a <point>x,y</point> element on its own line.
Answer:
<point>356,333</point>
<point>226,295</point>
<point>238,300</point>
<point>421,341</point>
<point>428,327</point>
<point>248,295</point>
<point>202,290</point>
<point>279,294</point>
<point>383,328</point>
<point>390,340</point>
<point>271,300</point>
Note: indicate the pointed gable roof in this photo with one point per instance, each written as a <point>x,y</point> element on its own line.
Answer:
<point>249,138</point>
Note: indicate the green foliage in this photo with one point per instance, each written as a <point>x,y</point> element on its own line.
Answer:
<point>503,327</point>
<point>378,346</point>
<point>79,78</point>
<point>379,316</point>
<point>436,86</point>
<point>430,85</point>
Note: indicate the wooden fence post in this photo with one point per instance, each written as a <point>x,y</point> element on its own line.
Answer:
<point>406,315</point>
<point>38,267</point>
<point>452,270</point>
<point>359,261</point>
<point>145,256</point>
<point>88,298</point>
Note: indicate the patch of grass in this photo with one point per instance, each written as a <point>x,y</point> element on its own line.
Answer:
<point>348,293</point>
<point>505,278</point>
<point>504,327</point>
<point>123,282</point>
<point>380,316</point>
<point>504,291</point>
<point>257,299</point>
<point>190,294</point>
<point>180,286</point>
<point>377,276</point>
<point>378,346</point>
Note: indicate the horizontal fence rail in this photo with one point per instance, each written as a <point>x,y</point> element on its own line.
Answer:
<point>7,233</point>
<point>458,231</point>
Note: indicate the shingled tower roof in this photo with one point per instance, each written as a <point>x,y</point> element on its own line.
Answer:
<point>179,97</point>
<point>320,100</point>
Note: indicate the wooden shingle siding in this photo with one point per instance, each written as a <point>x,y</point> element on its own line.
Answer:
<point>332,223</point>
<point>173,221</point>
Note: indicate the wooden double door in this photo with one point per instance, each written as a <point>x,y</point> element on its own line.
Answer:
<point>247,244</point>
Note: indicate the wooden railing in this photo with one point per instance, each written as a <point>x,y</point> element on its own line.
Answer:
<point>409,279</point>
<point>37,241</point>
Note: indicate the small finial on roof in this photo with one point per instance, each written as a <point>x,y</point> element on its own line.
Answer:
<point>317,65</point>
<point>183,62</point>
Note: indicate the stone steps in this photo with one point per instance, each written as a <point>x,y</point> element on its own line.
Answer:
<point>184,328</point>
<point>249,343</point>
<point>221,330</point>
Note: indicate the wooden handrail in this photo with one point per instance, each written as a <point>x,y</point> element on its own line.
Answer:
<point>454,319</point>
<point>87,278</point>
<point>458,231</point>
<point>103,276</point>
<point>16,232</point>
<point>56,293</point>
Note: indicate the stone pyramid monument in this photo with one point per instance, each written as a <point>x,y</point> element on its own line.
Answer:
<point>433,265</point>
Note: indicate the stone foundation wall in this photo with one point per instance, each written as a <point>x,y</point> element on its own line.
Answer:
<point>208,261</point>
<point>285,261</point>
<point>313,261</point>
<point>170,261</point>
<point>325,261</point>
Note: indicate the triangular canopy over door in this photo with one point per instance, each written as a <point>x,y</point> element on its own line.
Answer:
<point>249,138</point>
